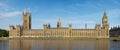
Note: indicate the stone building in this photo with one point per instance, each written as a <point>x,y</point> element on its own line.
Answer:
<point>25,30</point>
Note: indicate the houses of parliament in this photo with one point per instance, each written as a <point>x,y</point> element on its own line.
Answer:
<point>25,30</point>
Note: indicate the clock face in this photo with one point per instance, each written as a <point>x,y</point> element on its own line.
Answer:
<point>105,19</point>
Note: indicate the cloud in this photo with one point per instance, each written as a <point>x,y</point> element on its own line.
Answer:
<point>10,14</point>
<point>2,5</point>
<point>6,7</point>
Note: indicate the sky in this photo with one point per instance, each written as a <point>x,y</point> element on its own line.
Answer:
<point>75,12</point>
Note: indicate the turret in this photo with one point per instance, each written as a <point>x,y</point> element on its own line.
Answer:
<point>97,27</point>
<point>49,26</point>
<point>70,29</point>
<point>15,32</point>
<point>44,26</point>
<point>44,29</point>
<point>70,26</point>
<point>11,27</point>
<point>18,29</point>
<point>59,23</point>
<point>98,30</point>
<point>85,26</point>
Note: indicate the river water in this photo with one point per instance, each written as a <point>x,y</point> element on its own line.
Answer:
<point>59,45</point>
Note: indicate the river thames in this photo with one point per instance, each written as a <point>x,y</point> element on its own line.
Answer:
<point>30,44</point>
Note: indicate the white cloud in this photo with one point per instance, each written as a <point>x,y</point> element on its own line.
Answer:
<point>6,7</point>
<point>2,5</point>
<point>10,14</point>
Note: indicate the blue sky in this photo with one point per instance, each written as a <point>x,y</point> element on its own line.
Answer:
<point>76,12</point>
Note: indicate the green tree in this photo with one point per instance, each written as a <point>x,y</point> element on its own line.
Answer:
<point>115,31</point>
<point>4,33</point>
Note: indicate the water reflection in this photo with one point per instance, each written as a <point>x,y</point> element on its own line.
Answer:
<point>4,45</point>
<point>59,44</point>
<point>115,45</point>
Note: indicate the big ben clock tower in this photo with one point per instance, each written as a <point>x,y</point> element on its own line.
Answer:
<point>105,24</point>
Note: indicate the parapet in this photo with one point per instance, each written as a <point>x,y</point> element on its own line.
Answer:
<point>18,25</point>
<point>70,26</point>
<point>44,26</point>
<point>97,26</point>
<point>26,12</point>
<point>11,27</point>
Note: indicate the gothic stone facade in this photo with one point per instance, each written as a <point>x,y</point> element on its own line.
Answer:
<point>25,30</point>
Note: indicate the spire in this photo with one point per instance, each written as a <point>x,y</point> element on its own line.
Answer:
<point>105,14</point>
<point>104,18</point>
<point>23,13</point>
<point>70,26</point>
<point>85,26</point>
<point>26,12</point>
<point>58,23</point>
<point>58,18</point>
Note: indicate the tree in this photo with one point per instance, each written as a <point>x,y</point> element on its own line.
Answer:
<point>4,33</point>
<point>115,31</point>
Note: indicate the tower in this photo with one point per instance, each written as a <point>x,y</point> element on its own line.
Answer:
<point>59,23</point>
<point>70,29</point>
<point>85,26</point>
<point>18,30</point>
<point>12,28</point>
<point>26,20</point>
<point>105,24</point>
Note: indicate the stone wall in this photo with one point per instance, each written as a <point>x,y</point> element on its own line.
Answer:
<point>33,33</point>
<point>82,33</point>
